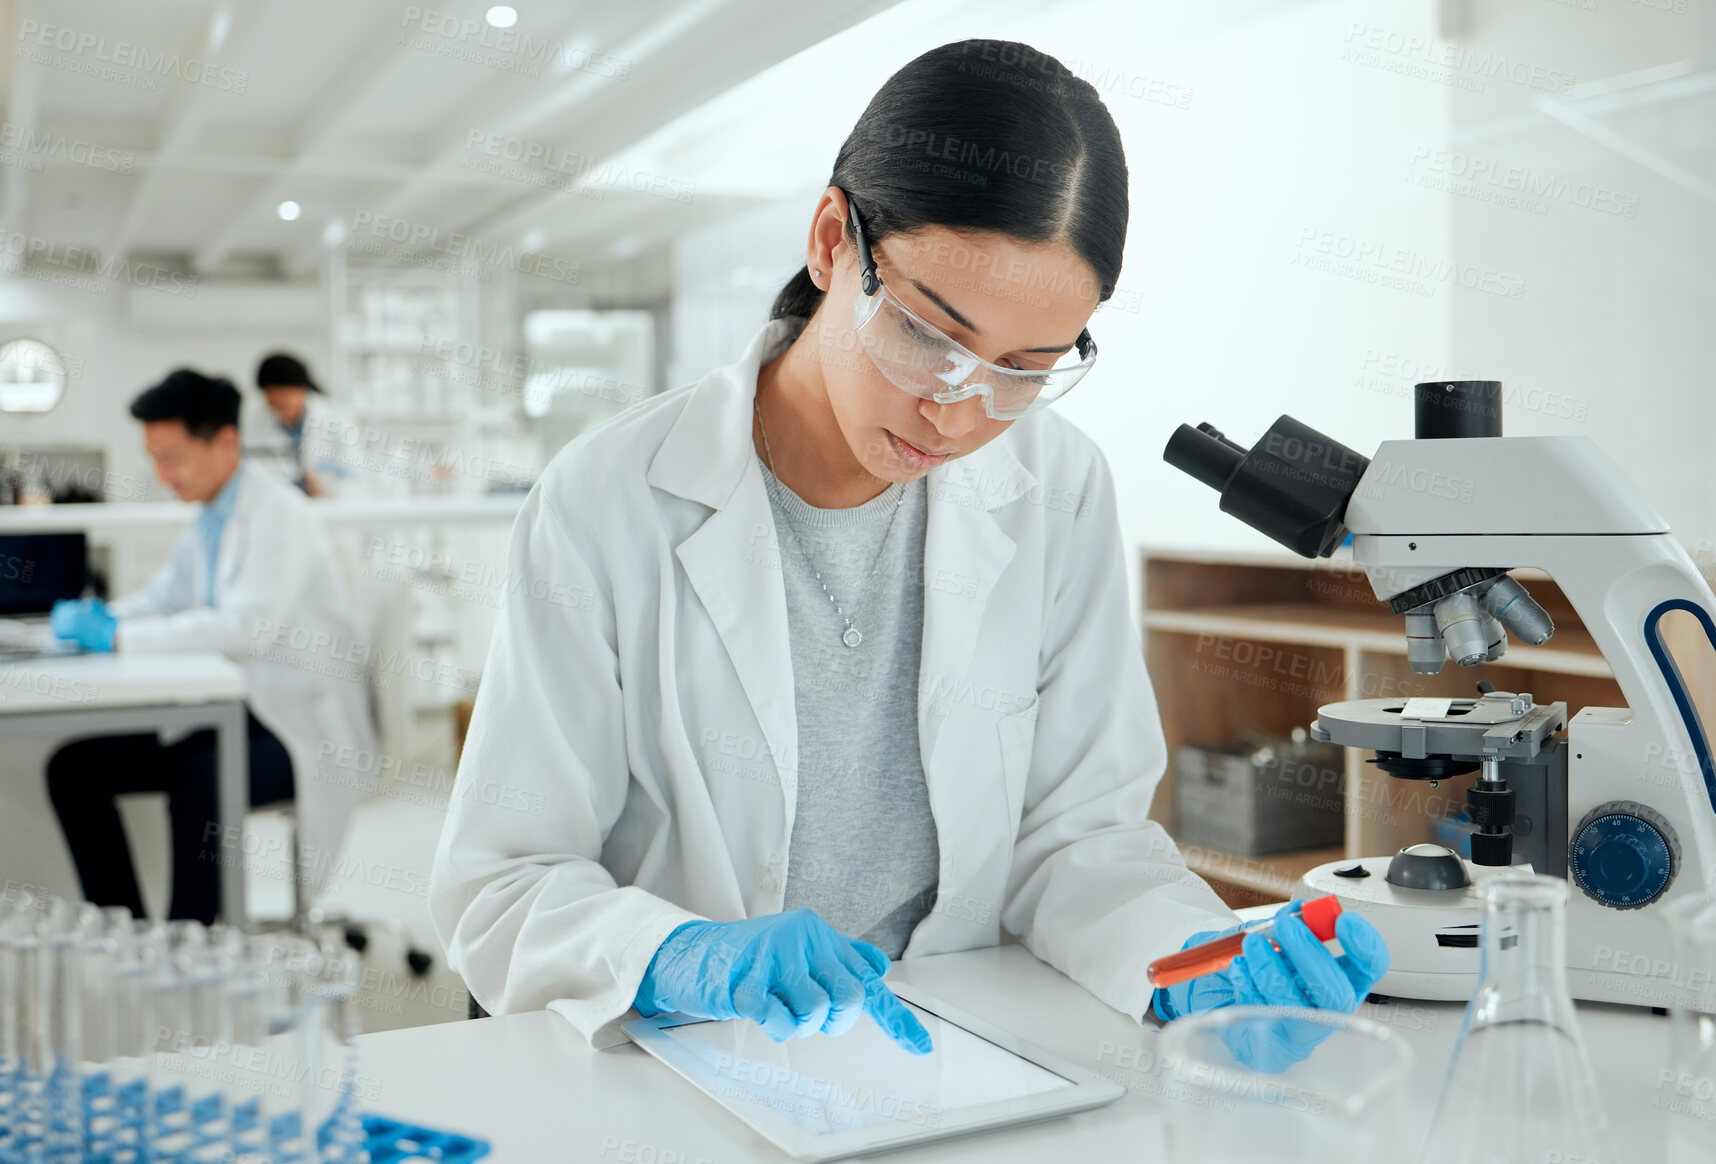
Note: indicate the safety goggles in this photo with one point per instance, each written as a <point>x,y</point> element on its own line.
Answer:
<point>918,357</point>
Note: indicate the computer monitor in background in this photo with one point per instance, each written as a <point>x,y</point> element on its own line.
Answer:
<point>37,570</point>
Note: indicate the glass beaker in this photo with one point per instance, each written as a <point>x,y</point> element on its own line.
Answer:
<point>1687,1088</point>
<point>1339,1105</point>
<point>1519,1089</point>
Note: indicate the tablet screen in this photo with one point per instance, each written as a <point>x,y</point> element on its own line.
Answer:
<point>824,1085</point>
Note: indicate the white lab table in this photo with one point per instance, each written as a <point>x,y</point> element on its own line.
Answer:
<point>110,517</point>
<point>531,1085</point>
<point>112,694</point>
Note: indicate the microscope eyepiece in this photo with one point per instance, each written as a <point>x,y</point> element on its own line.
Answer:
<point>1204,453</point>
<point>1292,485</point>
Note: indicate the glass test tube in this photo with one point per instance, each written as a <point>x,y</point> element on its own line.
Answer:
<point>142,947</point>
<point>333,1124</point>
<point>168,1131</point>
<point>1208,957</point>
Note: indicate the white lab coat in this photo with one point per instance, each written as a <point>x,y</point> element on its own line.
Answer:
<point>630,761</point>
<point>285,614</point>
<point>331,449</point>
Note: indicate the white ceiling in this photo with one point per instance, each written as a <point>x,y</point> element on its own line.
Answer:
<point>177,127</point>
<point>383,111</point>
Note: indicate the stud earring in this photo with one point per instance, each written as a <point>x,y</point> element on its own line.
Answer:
<point>817,271</point>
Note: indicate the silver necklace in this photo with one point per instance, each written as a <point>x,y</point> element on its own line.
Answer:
<point>852,636</point>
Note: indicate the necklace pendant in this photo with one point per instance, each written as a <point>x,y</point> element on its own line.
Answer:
<point>852,637</point>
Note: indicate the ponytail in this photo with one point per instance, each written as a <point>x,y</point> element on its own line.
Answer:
<point>798,299</point>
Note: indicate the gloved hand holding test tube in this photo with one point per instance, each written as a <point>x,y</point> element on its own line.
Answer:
<point>1215,954</point>
<point>1278,962</point>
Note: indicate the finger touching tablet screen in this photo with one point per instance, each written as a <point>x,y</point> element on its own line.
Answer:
<point>825,1097</point>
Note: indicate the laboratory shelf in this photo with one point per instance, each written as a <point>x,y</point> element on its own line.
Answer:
<point>1248,645</point>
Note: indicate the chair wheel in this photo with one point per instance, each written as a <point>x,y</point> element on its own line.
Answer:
<point>356,939</point>
<point>418,961</point>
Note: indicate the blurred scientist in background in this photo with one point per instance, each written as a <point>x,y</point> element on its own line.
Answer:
<point>310,426</point>
<point>255,570</point>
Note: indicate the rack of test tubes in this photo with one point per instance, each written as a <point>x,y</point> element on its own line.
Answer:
<point>126,1041</point>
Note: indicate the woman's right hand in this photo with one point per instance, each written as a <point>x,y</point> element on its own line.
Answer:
<point>791,973</point>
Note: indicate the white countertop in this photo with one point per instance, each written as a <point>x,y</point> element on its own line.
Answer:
<point>85,682</point>
<point>531,1085</point>
<point>110,517</point>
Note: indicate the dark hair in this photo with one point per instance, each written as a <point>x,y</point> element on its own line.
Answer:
<point>284,369</point>
<point>206,404</point>
<point>984,135</point>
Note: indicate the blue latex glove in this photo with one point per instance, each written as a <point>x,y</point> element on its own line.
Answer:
<point>85,621</point>
<point>791,973</point>
<point>1302,973</point>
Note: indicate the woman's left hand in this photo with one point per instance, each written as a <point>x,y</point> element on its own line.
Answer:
<point>1301,973</point>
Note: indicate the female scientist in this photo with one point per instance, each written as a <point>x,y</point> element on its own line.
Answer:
<point>826,658</point>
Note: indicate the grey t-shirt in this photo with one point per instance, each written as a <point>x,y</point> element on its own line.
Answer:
<point>863,854</point>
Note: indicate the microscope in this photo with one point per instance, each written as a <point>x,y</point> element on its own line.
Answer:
<point>1619,801</point>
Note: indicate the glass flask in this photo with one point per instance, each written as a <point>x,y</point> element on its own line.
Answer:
<point>1520,1087</point>
<point>1687,1089</point>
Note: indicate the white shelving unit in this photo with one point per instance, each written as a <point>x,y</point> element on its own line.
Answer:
<point>439,410</point>
<point>585,366</point>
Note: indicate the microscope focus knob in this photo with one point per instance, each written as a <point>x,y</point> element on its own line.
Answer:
<point>1624,854</point>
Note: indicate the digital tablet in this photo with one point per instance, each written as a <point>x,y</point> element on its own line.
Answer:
<point>827,1098</point>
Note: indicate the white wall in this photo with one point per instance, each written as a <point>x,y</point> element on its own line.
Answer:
<point>1244,132</point>
<point>725,277</point>
<point>1612,336</point>
<point>1284,160</point>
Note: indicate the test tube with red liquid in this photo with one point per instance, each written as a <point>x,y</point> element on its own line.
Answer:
<point>1318,914</point>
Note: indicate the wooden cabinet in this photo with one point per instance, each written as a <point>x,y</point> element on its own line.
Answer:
<point>1252,644</point>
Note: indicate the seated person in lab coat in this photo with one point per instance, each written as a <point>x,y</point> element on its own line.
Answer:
<point>309,425</point>
<point>254,571</point>
<point>827,658</point>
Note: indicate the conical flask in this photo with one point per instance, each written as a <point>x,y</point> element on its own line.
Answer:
<point>1520,1087</point>
<point>1688,1091</point>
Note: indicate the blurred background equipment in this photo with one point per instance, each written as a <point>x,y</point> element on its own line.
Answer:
<point>37,570</point>
<point>1261,798</point>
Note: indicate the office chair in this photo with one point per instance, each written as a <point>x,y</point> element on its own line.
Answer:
<point>384,618</point>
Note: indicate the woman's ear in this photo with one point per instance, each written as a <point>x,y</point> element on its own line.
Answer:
<point>827,237</point>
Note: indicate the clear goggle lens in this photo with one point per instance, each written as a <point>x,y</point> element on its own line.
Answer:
<point>918,358</point>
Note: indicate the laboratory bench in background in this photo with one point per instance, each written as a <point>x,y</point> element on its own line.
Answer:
<point>428,575</point>
<point>66,697</point>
